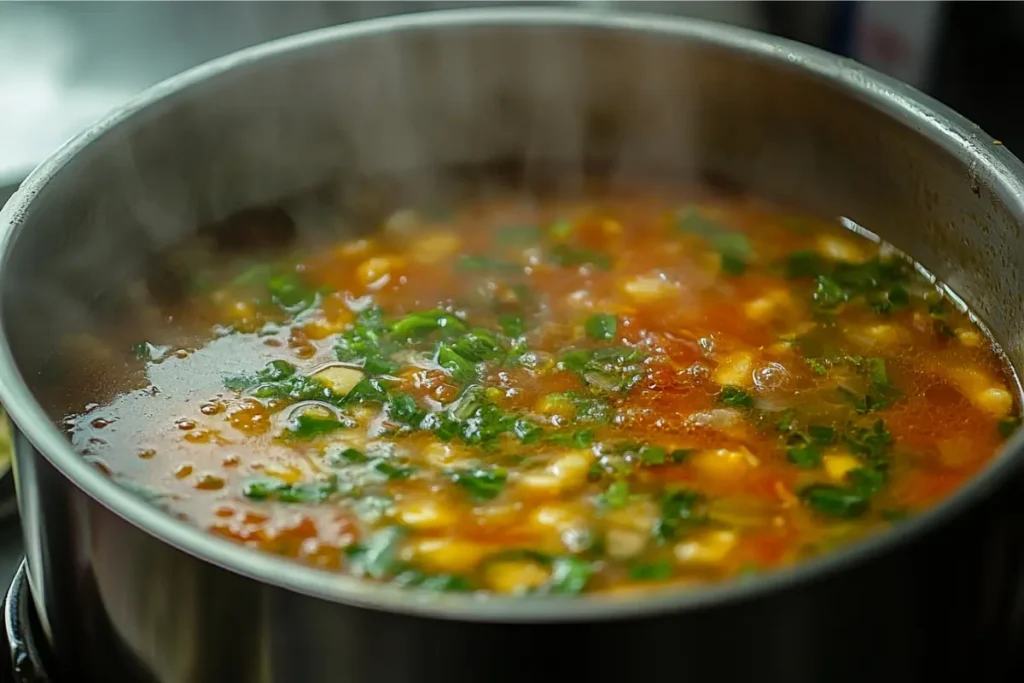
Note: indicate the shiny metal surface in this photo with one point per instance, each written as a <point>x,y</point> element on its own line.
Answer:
<point>119,584</point>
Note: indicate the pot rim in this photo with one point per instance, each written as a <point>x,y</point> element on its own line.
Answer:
<point>990,163</point>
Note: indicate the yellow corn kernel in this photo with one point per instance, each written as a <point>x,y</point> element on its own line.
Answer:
<point>356,248</point>
<point>515,577</point>
<point>435,247</point>
<point>555,404</point>
<point>611,227</point>
<point>565,473</point>
<point>638,515</point>
<point>445,554</point>
<point>969,337</point>
<point>982,390</point>
<point>624,543</point>
<point>735,369</point>
<point>708,547</point>
<point>558,517</point>
<point>841,249</point>
<point>724,464</point>
<point>767,308</point>
<point>376,269</point>
<point>424,514</point>
<point>321,328</point>
<point>837,465</point>
<point>338,378</point>
<point>648,288</point>
<point>441,454</point>
<point>289,474</point>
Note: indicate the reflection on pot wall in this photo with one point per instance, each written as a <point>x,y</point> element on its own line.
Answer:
<point>89,57</point>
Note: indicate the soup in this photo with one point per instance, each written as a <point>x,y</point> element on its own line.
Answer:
<point>557,397</point>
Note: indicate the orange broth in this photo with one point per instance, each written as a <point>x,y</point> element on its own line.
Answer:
<point>561,397</point>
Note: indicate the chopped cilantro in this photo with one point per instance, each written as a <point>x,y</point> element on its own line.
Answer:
<point>479,263</point>
<point>1008,425</point>
<point>269,488</point>
<point>834,501</point>
<point>611,368</point>
<point>306,427</point>
<point>422,323</point>
<point>512,235</point>
<point>393,471</point>
<point>651,571</point>
<point>483,484</point>
<point>377,557</point>
<point>435,583</point>
<point>679,510</point>
<point>816,366</point>
<point>566,256</point>
<point>601,326</point>
<point>290,292</point>
<point>735,397</point>
<point>617,494</point>
<point>569,575</point>
<point>512,325</point>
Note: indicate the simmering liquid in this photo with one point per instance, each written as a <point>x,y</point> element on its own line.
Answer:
<point>559,397</point>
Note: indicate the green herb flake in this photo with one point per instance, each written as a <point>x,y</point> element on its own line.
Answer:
<point>512,325</point>
<point>394,472</point>
<point>804,263</point>
<point>471,263</point>
<point>415,325</point>
<point>616,495</point>
<point>566,256</point>
<point>269,488</point>
<point>569,575</point>
<point>652,455</point>
<point>805,456</point>
<point>834,501</point>
<point>378,556</point>
<point>651,571</point>
<point>290,292</point>
<point>1008,425</point>
<point>735,397</point>
<point>601,326</point>
<point>307,427</point>
<point>517,235</point>
<point>482,484</point>
<point>816,366</point>
<point>679,510</point>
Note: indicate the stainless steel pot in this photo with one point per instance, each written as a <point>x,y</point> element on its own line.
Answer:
<point>125,592</point>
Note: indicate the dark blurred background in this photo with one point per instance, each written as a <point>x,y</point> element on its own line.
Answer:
<point>64,65</point>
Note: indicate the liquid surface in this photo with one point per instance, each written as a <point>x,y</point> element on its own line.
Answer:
<point>563,398</point>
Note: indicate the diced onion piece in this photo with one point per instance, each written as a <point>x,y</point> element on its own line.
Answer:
<point>735,369</point>
<point>565,473</point>
<point>841,249</point>
<point>424,514</point>
<point>707,547</point>
<point>838,465</point>
<point>724,463</point>
<point>445,554</point>
<point>339,379</point>
<point>515,576</point>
